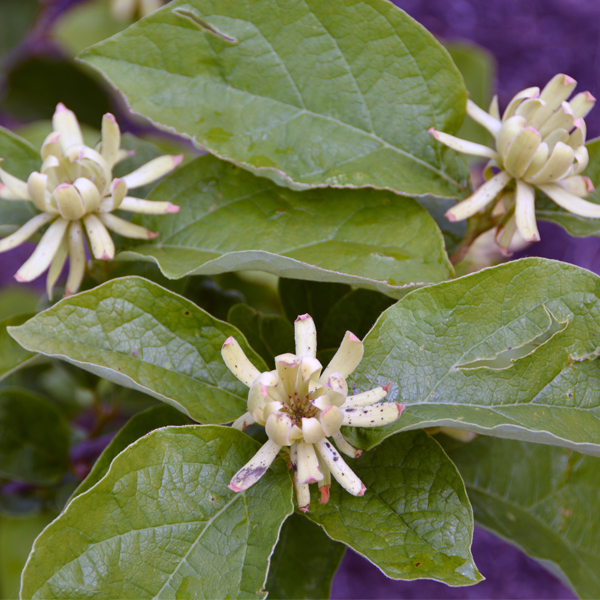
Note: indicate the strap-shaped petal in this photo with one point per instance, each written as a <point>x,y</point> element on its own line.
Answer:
<point>287,368</point>
<point>103,248</point>
<point>336,389</point>
<point>151,171</point>
<point>482,197</point>
<point>76,258</point>
<point>463,145</point>
<point>25,232</point>
<point>556,166</point>
<point>308,464</point>
<point>344,446</point>
<point>255,468</point>
<point>557,90</point>
<point>521,151</point>
<point>538,161</point>
<point>494,109</point>
<point>69,202</point>
<point>306,336</point>
<point>578,135</point>
<point>343,474</point>
<point>89,193</point>
<point>528,108</point>
<point>532,92</point>
<point>57,266</point>
<point>375,415</point>
<point>51,146</point>
<point>147,207</point>
<point>558,135</point>
<point>485,119</point>
<point>238,363</point>
<point>44,252</point>
<point>65,122</point>
<point>308,372</point>
<point>302,494</point>
<point>525,212</point>
<point>582,104</point>
<point>346,359</point>
<point>578,184</point>
<point>562,118</point>
<point>243,422</point>
<point>505,233</point>
<point>582,159</point>
<point>571,202</point>
<point>125,228</point>
<point>111,139</point>
<point>17,188</point>
<point>367,398</point>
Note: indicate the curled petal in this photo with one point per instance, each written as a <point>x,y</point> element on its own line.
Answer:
<point>238,363</point>
<point>25,232</point>
<point>308,464</point>
<point>557,90</point>
<point>152,171</point>
<point>528,108</point>
<point>481,198</point>
<point>65,122</point>
<point>581,160</point>
<point>44,252</point>
<point>532,92</point>
<point>577,137</point>
<point>344,446</point>
<point>89,193</point>
<point>51,146</point>
<point>538,161</point>
<point>561,119</point>
<point>570,202</point>
<point>36,188</point>
<point>336,389</point>
<point>343,474</point>
<point>521,151</point>
<point>582,104</point>
<point>331,420</point>
<point>111,139</point>
<point>279,427</point>
<point>375,415</point>
<point>557,166</point>
<point>312,431</point>
<point>125,228</point>
<point>578,184</point>
<point>509,130</point>
<point>69,202</point>
<point>558,135</point>
<point>366,398</point>
<point>346,359</point>
<point>505,234</point>
<point>525,212</point>
<point>287,368</point>
<point>255,468</point>
<point>463,145</point>
<point>243,422</point>
<point>76,258</point>
<point>103,248</point>
<point>306,336</point>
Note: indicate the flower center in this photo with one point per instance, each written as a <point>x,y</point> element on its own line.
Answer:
<point>299,407</point>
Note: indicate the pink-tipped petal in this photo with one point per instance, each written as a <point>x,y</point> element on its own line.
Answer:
<point>172,208</point>
<point>324,499</point>
<point>362,490</point>
<point>233,488</point>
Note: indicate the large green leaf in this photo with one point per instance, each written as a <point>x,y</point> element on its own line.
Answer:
<point>541,499</point>
<point>546,210</point>
<point>231,220</point>
<point>34,438</point>
<point>140,335</point>
<point>20,160</point>
<point>447,350</point>
<point>304,562</point>
<point>414,520</point>
<point>13,356</point>
<point>313,93</point>
<point>162,524</point>
<point>139,425</point>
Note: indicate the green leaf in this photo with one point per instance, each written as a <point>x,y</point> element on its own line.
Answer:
<point>13,356</point>
<point>366,238</point>
<point>20,159</point>
<point>138,426</point>
<point>34,438</point>
<point>269,335</point>
<point>539,499</point>
<point>337,93</point>
<point>509,351</point>
<point>162,524</point>
<point>16,538</point>
<point>304,562</point>
<point>414,521</point>
<point>546,210</point>
<point>16,300</point>
<point>453,231</point>
<point>140,335</point>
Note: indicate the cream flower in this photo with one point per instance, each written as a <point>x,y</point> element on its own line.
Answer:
<point>540,143</point>
<point>125,10</point>
<point>302,406</point>
<point>77,193</point>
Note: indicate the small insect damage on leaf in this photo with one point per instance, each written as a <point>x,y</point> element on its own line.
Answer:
<point>192,16</point>
<point>507,358</point>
